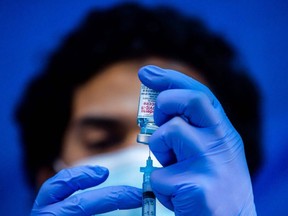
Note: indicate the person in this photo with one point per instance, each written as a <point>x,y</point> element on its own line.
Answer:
<point>77,118</point>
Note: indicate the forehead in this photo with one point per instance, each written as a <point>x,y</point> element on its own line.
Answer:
<point>112,93</point>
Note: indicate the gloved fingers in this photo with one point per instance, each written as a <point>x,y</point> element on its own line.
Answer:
<point>96,201</point>
<point>164,184</point>
<point>110,198</point>
<point>162,187</point>
<point>167,181</point>
<point>191,201</point>
<point>179,187</point>
<point>161,79</point>
<point>68,181</point>
<point>165,200</point>
<point>175,141</point>
<point>193,105</point>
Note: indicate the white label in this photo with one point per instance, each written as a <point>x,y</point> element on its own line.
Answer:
<point>147,101</point>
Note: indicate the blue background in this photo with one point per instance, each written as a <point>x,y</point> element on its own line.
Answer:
<point>30,29</point>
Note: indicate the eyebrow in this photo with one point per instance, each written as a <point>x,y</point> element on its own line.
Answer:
<point>102,122</point>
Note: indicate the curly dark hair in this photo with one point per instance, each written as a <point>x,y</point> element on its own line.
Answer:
<point>130,31</point>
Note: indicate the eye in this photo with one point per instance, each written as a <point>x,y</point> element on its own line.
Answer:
<point>92,135</point>
<point>101,134</point>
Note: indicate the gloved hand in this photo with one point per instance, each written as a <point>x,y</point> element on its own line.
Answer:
<point>204,167</point>
<point>55,196</point>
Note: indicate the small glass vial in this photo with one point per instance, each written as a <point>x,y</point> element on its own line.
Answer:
<point>145,119</point>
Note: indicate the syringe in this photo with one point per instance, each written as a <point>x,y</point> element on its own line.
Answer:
<point>148,197</point>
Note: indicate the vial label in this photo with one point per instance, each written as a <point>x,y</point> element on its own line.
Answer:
<point>146,102</point>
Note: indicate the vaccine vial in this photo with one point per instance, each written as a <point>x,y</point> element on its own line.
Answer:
<point>145,119</point>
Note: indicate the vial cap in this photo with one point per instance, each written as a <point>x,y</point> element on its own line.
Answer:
<point>143,138</point>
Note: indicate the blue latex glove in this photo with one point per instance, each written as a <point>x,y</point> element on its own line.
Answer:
<point>204,167</point>
<point>55,196</point>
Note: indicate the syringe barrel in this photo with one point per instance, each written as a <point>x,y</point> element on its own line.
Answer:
<point>149,204</point>
<point>148,199</point>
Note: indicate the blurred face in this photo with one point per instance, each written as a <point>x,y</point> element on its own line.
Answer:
<point>105,109</point>
<point>104,113</point>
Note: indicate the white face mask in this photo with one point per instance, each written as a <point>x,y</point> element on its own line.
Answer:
<point>124,169</point>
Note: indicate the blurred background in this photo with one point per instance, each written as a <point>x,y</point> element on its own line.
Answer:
<point>31,29</point>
